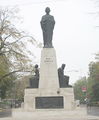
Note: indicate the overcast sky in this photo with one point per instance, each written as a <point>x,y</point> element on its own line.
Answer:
<point>75,37</point>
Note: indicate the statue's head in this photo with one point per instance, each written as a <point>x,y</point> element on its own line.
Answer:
<point>47,10</point>
<point>36,66</point>
<point>63,66</point>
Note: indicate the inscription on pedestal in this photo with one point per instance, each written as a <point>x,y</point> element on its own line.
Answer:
<point>53,102</point>
<point>48,60</point>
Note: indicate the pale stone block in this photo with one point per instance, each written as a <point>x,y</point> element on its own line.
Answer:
<point>77,114</point>
<point>31,94</point>
<point>48,69</point>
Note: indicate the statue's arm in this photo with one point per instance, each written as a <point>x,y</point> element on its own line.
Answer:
<point>53,22</point>
<point>42,22</point>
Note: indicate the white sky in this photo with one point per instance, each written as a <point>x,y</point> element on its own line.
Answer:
<point>75,37</point>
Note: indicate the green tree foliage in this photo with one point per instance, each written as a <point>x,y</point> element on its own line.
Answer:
<point>7,82</point>
<point>96,92</point>
<point>78,93</point>
<point>19,86</point>
<point>93,81</point>
<point>14,55</point>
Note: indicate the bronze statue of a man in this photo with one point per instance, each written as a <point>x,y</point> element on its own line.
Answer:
<point>47,25</point>
<point>63,79</point>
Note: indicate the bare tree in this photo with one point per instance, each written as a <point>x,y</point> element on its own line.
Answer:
<point>13,42</point>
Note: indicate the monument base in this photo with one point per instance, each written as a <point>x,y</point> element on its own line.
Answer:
<point>78,113</point>
<point>62,98</point>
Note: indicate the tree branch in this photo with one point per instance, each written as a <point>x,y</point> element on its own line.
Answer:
<point>8,74</point>
<point>22,38</point>
<point>3,52</point>
<point>7,37</point>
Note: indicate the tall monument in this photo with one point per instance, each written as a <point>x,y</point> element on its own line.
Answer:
<point>50,92</point>
<point>49,87</point>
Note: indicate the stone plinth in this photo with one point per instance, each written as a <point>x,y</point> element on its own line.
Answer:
<point>42,101</point>
<point>77,114</point>
<point>48,69</point>
<point>48,95</point>
<point>32,94</point>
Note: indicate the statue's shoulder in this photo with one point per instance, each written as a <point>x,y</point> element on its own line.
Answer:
<point>59,69</point>
<point>43,16</point>
<point>47,16</point>
<point>52,16</point>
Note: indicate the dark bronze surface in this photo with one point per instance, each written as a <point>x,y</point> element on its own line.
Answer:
<point>52,102</point>
<point>47,25</point>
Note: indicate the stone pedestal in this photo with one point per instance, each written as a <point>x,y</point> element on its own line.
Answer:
<point>48,100</point>
<point>48,69</point>
<point>48,95</point>
<point>65,96</point>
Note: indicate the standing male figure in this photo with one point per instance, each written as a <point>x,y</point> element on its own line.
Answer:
<point>47,25</point>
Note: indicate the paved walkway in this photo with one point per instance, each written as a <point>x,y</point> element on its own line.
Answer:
<point>5,113</point>
<point>60,115</point>
<point>89,118</point>
<point>93,111</point>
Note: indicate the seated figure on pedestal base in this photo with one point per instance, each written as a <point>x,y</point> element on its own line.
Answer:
<point>34,81</point>
<point>63,79</point>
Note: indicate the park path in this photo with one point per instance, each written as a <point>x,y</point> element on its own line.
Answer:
<point>93,111</point>
<point>92,114</point>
